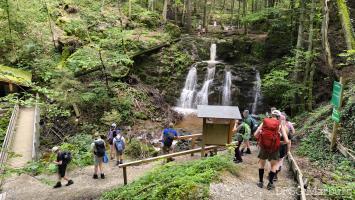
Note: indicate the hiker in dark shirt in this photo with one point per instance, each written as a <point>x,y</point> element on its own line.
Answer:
<point>63,159</point>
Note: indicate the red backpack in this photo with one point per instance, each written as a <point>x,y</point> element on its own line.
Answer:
<point>269,139</point>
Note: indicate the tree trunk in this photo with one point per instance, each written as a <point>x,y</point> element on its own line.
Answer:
<point>176,14</point>
<point>244,14</point>
<point>299,47</point>
<point>8,18</point>
<point>188,16</point>
<point>50,23</point>
<point>325,42</point>
<point>239,24</point>
<point>165,10</point>
<point>183,13</point>
<point>346,24</point>
<point>223,6</point>
<point>309,63</point>
<point>232,13</point>
<point>205,15</point>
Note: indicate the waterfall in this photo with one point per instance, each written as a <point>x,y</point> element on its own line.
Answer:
<point>202,95</point>
<point>257,89</point>
<point>187,94</point>
<point>226,98</point>
<point>213,50</point>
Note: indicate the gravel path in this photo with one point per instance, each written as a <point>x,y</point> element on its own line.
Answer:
<point>25,187</point>
<point>244,186</point>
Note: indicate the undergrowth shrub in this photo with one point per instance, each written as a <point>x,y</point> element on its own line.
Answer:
<point>176,181</point>
<point>137,149</point>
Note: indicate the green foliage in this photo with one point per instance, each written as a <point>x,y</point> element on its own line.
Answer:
<point>137,149</point>
<point>78,145</point>
<point>349,56</point>
<point>4,122</point>
<point>112,116</point>
<point>83,59</point>
<point>343,186</point>
<point>76,28</point>
<point>173,30</point>
<point>142,16</point>
<point>347,124</point>
<point>176,181</point>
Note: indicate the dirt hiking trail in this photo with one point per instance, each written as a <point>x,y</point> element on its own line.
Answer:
<point>244,186</point>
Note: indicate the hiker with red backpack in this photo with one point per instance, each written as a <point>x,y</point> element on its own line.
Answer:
<point>62,161</point>
<point>167,138</point>
<point>99,150</point>
<point>119,144</point>
<point>269,141</point>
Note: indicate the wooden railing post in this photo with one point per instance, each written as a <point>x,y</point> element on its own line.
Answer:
<point>192,145</point>
<point>125,175</point>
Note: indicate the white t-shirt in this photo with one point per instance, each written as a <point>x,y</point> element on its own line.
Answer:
<point>118,137</point>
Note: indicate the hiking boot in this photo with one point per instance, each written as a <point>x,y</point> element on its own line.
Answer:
<point>121,161</point>
<point>260,184</point>
<point>69,182</point>
<point>95,176</point>
<point>275,177</point>
<point>58,185</point>
<point>118,162</point>
<point>237,161</point>
<point>248,151</point>
<point>270,186</point>
<point>103,176</point>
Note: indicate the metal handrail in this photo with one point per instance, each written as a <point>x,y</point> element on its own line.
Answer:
<point>8,136</point>
<point>35,134</point>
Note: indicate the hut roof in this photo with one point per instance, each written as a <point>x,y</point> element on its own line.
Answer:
<point>15,76</point>
<point>219,112</point>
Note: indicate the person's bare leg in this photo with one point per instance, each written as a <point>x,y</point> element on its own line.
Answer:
<point>101,168</point>
<point>112,151</point>
<point>95,168</point>
<point>66,178</point>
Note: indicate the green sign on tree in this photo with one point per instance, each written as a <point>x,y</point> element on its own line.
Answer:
<point>336,95</point>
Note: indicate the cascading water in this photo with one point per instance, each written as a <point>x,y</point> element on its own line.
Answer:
<point>257,89</point>
<point>226,98</point>
<point>187,94</point>
<point>213,50</point>
<point>202,95</point>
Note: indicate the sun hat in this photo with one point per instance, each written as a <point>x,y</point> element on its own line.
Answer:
<point>55,149</point>
<point>276,113</point>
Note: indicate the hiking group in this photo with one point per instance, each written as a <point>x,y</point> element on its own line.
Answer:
<point>116,143</point>
<point>273,137</point>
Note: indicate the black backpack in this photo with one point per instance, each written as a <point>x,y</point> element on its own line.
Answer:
<point>66,157</point>
<point>100,148</point>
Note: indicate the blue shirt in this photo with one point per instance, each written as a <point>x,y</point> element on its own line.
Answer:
<point>169,130</point>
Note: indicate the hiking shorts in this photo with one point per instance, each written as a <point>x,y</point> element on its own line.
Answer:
<point>119,153</point>
<point>166,149</point>
<point>61,170</point>
<point>283,150</point>
<point>264,155</point>
<point>98,160</point>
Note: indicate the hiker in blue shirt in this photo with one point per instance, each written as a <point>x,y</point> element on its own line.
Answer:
<point>168,136</point>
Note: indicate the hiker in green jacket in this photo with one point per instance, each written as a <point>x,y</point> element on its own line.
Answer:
<point>242,134</point>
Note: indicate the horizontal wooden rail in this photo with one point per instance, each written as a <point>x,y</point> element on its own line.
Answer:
<point>138,162</point>
<point>184,137</point>
<point>343,150</point>
<point>298,174</point>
